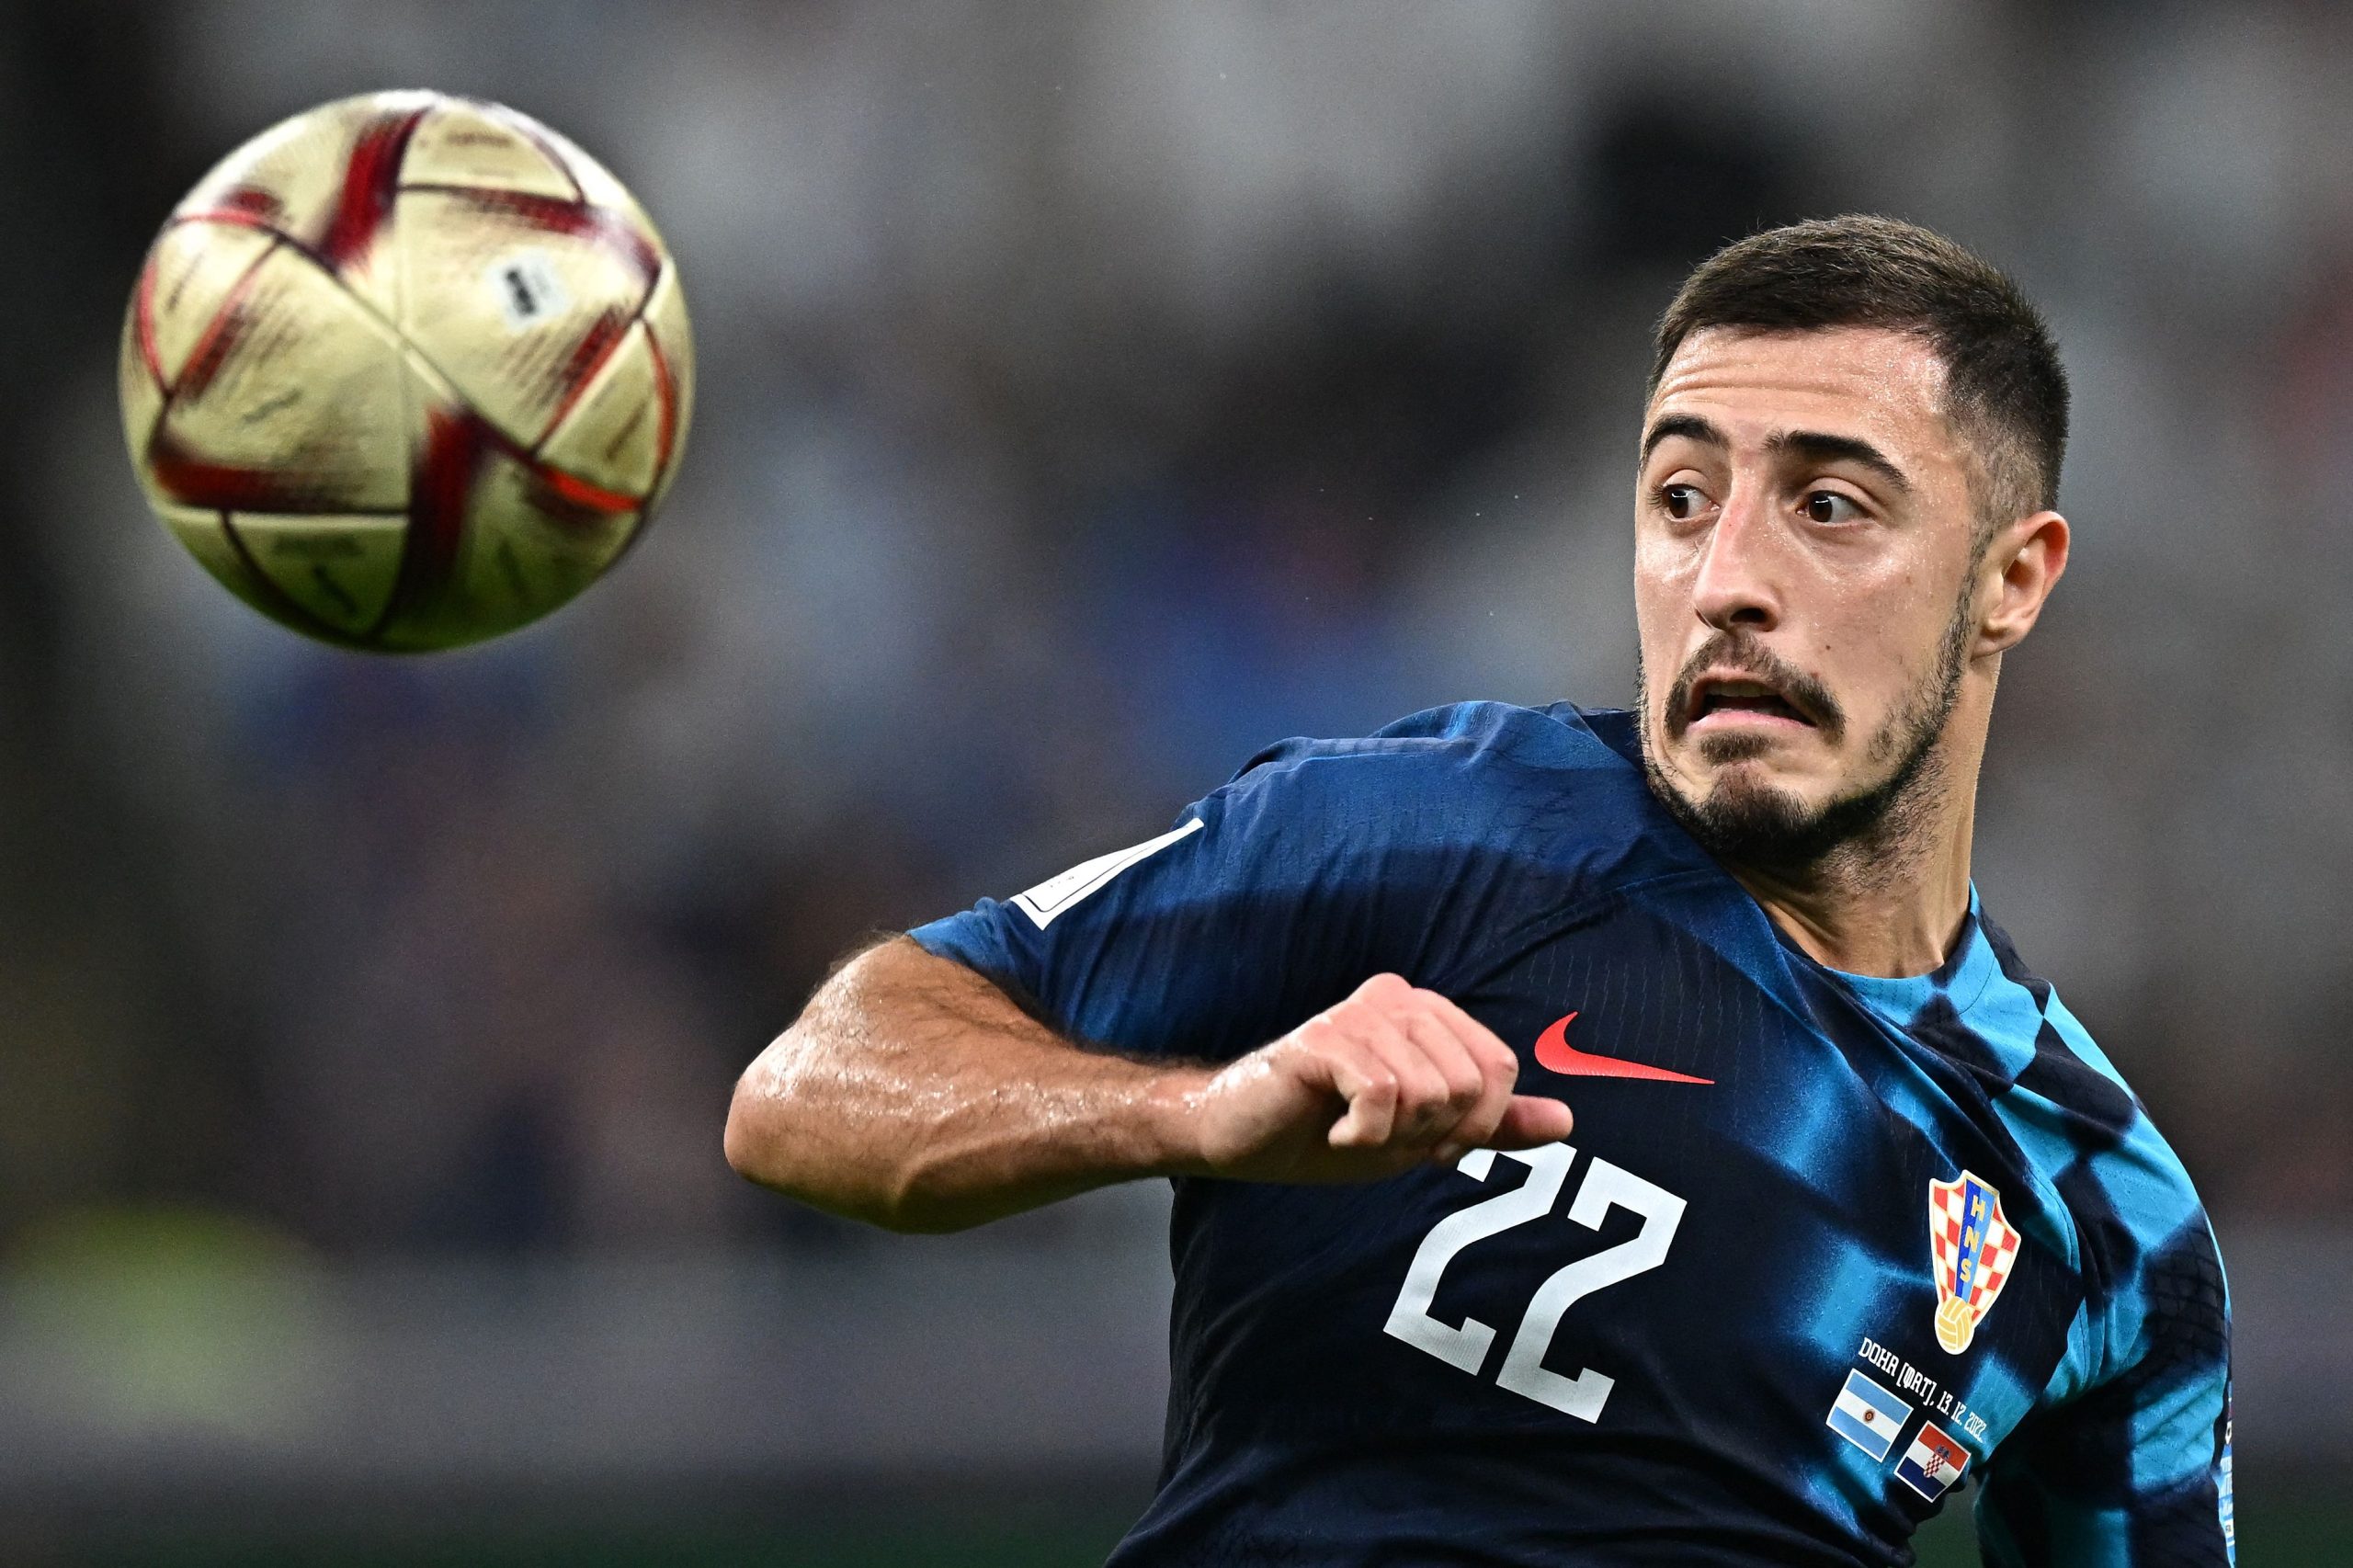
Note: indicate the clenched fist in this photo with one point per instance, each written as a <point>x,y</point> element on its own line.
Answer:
<point>1393,1077</point>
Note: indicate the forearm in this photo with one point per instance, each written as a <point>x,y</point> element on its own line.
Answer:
<point>912,1094</point>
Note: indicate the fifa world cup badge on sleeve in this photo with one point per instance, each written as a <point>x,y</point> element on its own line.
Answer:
<point>1972,1247</point>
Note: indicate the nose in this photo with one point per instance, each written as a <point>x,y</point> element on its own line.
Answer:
<point>1737,587</point>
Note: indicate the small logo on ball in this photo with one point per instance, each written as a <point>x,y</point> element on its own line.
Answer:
<point>526,288</point>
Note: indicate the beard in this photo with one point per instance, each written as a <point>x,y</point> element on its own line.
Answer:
<point>1749,822</point>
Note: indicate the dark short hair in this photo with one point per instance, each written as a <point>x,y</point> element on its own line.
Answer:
<point>2004,390</point>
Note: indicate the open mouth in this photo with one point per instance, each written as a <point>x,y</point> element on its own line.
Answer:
<point>1721,702</point>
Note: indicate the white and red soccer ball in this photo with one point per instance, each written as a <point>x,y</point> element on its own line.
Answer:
<point>406,372</point>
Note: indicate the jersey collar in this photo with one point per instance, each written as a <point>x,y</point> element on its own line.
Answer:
<point>1960,980</point>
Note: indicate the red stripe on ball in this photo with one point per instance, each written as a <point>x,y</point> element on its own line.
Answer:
<point>372,184</point>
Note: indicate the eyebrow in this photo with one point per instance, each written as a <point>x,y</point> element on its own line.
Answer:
<point>1688,425</point>
<point>1815,446</point>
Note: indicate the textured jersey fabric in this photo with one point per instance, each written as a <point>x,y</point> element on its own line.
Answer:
<point>1719,1324</point>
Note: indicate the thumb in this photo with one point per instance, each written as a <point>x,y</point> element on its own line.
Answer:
<point>1530,1120</point>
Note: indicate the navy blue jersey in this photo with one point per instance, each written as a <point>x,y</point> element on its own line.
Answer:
<point>1844,1245</point>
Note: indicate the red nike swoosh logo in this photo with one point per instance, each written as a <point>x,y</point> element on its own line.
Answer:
<point>1555,1052</point>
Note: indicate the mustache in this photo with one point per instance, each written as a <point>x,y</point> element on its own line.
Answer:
<point>1737,651</point>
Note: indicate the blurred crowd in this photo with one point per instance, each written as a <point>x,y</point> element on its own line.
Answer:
<point>1090,395</point>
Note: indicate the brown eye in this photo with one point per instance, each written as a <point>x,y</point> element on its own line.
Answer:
<point>1681,501</point>
<point>1829,507</point>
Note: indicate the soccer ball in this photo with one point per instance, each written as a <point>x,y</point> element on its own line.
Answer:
<point>406,372</point>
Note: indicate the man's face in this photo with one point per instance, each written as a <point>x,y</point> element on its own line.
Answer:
<point>1805,534</point>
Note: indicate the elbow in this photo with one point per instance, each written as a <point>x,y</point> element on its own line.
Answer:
<point>760,1147</point>
<point>746,1142</point>
<point>767,1133</point>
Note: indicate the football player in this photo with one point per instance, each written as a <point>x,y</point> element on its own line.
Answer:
<point>1852,1208</point>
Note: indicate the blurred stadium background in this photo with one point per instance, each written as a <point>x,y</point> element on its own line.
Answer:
<point>1092,393</point>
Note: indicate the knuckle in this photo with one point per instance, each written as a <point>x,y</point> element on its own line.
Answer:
<point>1317,1030</point>
<point>1334,1040</point>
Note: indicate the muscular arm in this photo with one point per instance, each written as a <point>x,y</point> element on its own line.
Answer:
<point>913,1094</point>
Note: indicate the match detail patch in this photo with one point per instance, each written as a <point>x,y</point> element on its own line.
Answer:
<point>1868,1415</point>
<point>1055,895</point>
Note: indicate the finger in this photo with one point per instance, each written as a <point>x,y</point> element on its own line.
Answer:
<point>1424,1110</point>
<point>1478,1125</point>
<point>1529,1121</point>
<point>1368,1086</point>
<point>1487,1047</point>
<point>1498,1065</point>
<point>1482,1042</point>
<point>1470,1083</point>
<point>1383,991</point>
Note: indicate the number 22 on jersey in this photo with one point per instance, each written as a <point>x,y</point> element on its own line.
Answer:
<point>1523,1372</point>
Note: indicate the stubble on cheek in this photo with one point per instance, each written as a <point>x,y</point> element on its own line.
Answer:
<point>1745,813</point>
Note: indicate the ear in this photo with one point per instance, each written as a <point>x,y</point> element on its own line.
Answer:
<point>2023,563</point>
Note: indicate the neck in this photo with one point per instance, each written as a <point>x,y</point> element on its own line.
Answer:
<point>1891,915</point>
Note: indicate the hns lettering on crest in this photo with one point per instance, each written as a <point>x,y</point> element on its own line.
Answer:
<point>1868,1415</point>
<point>1972,1247</point>
<point>1933,1461</point>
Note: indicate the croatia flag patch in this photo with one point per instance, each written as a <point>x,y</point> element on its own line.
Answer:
<point>1868,1415</point>
<point>1933,1462</point>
